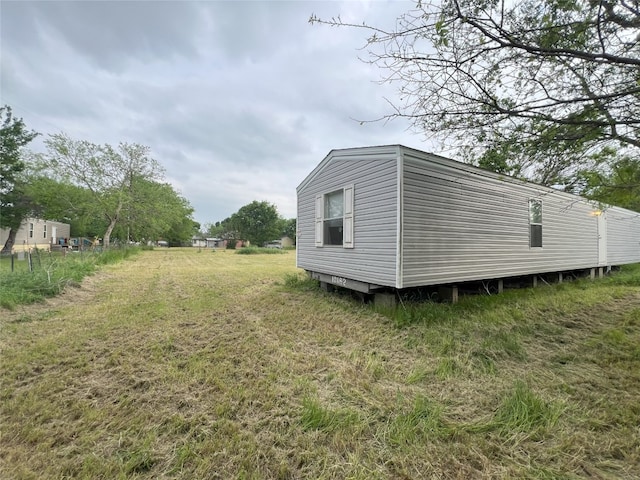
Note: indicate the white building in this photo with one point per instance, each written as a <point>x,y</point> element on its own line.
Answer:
<point>37,233</point>
<point>393,217</point>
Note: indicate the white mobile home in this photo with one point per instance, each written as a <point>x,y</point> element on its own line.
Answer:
<point>393,217</point>
<point>37,233</point>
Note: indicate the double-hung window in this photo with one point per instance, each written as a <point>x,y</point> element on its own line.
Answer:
<point>334,218</point>
<point>44,231</point>
<point>333,222</point>
<point>30,230</point>
<point>535,223</point>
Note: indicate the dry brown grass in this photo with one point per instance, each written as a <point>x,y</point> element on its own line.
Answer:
<point>187,364</point>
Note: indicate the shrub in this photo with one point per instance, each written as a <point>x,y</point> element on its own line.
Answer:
<point>259,250</point>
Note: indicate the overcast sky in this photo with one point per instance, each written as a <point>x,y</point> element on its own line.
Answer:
<point>238,101</point>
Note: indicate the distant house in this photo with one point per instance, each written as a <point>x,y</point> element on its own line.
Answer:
<point>38,233</point>
<point>199,242</point>
<point>216,243</point>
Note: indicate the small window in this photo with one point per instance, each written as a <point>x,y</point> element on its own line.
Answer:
<point>334,218</point>
<point>535,223</point>
<point>44,231</point>
<point>31,230</point>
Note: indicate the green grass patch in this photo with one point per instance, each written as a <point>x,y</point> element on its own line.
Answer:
<point>417,375</point>
<point>419,424</point>
<point>51,274</point>
<point>522,411</point>
<point>616,345</point>
<point>503,343</point>
<point>447,367</point>
<point>426,313</point>
<point>629,275</point>
<point>115,255</point>
<point>301,282</point>
<point>260,251</point>
<point>315,416</point>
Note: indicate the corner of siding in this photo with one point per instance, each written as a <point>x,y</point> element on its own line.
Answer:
<point>399,216</point>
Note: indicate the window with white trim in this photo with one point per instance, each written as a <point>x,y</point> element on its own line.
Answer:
<point>535,223</point>
<point>30,230</point>
<point>44,231</point>
<point>334,218</point>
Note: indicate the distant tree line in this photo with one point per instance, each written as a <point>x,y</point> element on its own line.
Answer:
<point>257,222</point>
<point>113,193</point>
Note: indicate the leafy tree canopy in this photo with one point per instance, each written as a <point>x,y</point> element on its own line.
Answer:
<point>535,88</point>
<point>289,228</point>
<point>157,211</point>
<point>65,202</point>
<point>107,172</point>
<point>14,205</point>
<point>213,230</point>
<point>13,136</point>
<point>257,222</point>
<point>620,185</point>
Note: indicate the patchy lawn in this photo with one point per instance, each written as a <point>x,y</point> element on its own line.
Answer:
<point>181,363</point>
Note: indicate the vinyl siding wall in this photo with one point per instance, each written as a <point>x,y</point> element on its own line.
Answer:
<point>373,257</point>
<point>25,240</point>
<point>461,225</point>
<point>623,236</point>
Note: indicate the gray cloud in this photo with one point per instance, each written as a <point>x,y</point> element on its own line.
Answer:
<point>237,100</point>
<point>108,34</point>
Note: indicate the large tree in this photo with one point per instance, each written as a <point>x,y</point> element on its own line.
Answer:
<point>536,88</point>
<point>619,185</point>
<point>65,202</point>
<point>257,222</point>
<point>107,172</point>
<point>290,228</point>
<point>157,211</point>
<point>14,204</point>
<point>216,229</point>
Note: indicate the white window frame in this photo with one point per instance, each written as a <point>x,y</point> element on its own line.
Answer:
<point>44,231</point>
<point>347,217</point>
<point>30,230</point>
<point>533,223</point>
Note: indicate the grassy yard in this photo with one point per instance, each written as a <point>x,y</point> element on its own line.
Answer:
<point>179,363</point>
